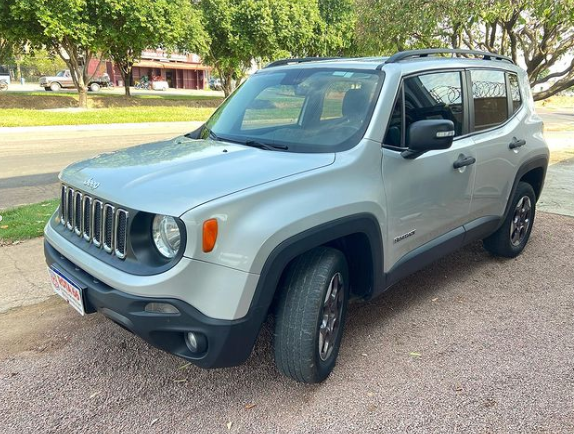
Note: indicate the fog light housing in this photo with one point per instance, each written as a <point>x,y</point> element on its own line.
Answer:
<point>164,308</point>
<point>196,342</point>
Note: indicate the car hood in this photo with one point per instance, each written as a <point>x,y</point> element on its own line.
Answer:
<point>174,176</point>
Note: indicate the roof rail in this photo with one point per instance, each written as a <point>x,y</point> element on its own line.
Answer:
<point>298,60</point>
<point>397,57</point>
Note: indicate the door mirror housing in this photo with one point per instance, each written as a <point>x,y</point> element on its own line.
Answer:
<point>428,135</point>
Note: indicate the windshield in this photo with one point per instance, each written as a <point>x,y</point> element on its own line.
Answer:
<point>302,110</point>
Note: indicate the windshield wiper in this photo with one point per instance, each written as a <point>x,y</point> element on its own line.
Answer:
<point>266,146</point>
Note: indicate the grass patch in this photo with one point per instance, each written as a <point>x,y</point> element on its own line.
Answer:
<point>112,115</point>
<point>25,222</point>
<point>103,94</point>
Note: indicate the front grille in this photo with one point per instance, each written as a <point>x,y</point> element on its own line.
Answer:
<point>97,228</point>
<point>108,227</point>
<point>78,213</point>
<point>87,218</point>
<point>95,221</point>
<point>122,233</point>
<point>70,209</point>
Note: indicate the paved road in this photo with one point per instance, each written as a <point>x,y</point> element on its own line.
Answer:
<point>472,344</point>
<point>552,118</point>
<point>31,158</point>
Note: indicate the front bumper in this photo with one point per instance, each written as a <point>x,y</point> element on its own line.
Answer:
<point>229,342</point>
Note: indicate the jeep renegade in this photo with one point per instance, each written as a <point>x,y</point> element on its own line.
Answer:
<point>317,181</point>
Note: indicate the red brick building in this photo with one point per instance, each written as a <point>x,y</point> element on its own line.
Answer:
<point>180,71</point>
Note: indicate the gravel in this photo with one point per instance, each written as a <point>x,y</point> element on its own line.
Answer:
<point>470,344</point>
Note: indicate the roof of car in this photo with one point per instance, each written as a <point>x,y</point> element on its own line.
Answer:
<point>409,60</point>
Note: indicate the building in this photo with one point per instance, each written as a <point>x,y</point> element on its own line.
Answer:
<point>180,71</point>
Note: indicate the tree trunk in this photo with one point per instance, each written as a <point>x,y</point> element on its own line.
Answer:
<point>83,97</point>
<point>127,76</point>
<point>227,82</point>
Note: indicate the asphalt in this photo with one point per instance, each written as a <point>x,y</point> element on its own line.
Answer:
<point>32,157</point>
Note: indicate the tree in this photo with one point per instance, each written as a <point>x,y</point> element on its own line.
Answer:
<point>68,27</point>
<point>130,26</point>
<point>243,30</point>
<point>537,33</point>
<point>339,19</point>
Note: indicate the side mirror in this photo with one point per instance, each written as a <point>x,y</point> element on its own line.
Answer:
<point>429,135</point>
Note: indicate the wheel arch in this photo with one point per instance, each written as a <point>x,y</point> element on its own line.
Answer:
<point>357,236</point>
<point>533,171</point>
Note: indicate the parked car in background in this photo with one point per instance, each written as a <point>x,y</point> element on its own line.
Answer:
<point>4,75</point>
<point>63,80</point>
<point>215,84</point>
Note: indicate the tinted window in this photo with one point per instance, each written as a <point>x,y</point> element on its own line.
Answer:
<point>515,92</point>
<point>489,98</point>
<point>428,96</point>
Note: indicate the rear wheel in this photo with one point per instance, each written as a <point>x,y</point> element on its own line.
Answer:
<point>511,238</point>
<point>55,87</point>
<point>311,315</point>
<point>94,87</point>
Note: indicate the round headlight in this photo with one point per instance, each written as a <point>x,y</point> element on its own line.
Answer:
<point>166,235</point>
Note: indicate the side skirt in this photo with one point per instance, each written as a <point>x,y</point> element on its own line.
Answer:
<point>439,247</point>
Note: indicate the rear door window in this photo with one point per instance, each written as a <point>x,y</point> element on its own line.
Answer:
<point>489,98</point>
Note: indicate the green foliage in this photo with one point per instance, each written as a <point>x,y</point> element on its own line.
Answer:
<point>539,33</point>
<point>243,30</point>
<point>41,62</point>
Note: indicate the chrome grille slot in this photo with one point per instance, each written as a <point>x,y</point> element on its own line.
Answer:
<point>97,223</point>
<point>63,196</point>
<point>87,218</point>
<point>121,231</point>
<point>108,228</point>
<point>78,213</point>
<point>70,209</point>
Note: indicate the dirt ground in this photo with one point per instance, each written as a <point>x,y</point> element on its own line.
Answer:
<point>471,344</point>
<point>50,102</point>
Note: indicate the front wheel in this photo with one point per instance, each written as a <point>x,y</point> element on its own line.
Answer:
<point>311,315</point>
<point>511,238</point>
<point>55,87</point>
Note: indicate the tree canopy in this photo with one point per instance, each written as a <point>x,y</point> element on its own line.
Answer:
<point>536,33</point>
<point>243,30</point>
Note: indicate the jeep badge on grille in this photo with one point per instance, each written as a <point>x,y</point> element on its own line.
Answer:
<point>91,183</point>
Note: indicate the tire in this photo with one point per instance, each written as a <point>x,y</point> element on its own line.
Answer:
<point>511,238</point>
<point>94,87</point>
<point>47,89</point>
<point>304,315</point>
<point>55,87</point>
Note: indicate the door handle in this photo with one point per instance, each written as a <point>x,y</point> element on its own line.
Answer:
<point>516,143</point>
<point>463,161</point>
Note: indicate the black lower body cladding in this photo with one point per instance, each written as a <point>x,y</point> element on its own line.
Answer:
<point>229,342</point>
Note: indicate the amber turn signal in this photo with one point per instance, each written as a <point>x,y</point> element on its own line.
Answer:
<point>209,234</point>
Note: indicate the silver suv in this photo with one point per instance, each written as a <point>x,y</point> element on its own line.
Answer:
<point>317,181</point>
